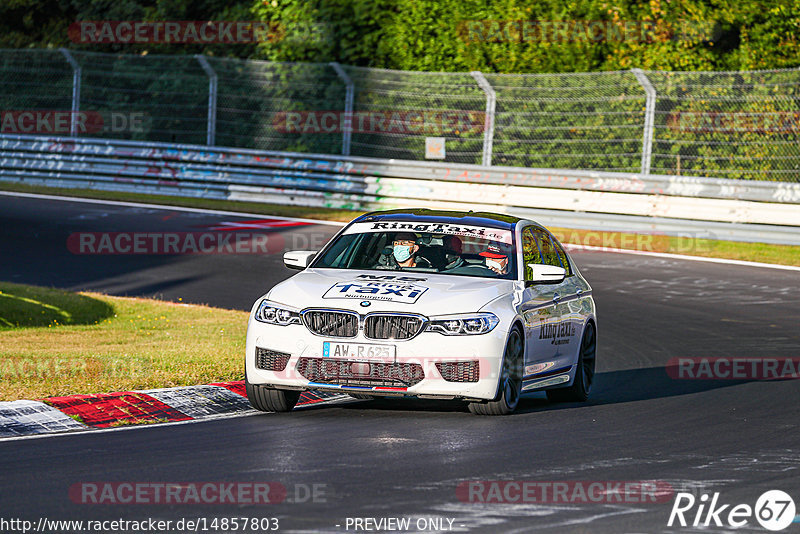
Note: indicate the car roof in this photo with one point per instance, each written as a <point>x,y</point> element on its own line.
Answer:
<point>472,218</point>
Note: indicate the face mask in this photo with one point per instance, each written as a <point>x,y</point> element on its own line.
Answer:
<point>494,264</point>
<point>401,252</point>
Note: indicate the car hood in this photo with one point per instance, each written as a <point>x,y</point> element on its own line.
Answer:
<point>426,293</point>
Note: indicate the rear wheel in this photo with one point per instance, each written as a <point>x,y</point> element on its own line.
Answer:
<point>510,381</point>
<point>584,374</point>
<point>268,399</point>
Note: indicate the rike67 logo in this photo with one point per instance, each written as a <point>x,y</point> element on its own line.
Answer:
<point>774,510</point>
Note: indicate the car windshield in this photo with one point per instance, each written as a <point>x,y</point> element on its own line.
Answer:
<point>430,248</point>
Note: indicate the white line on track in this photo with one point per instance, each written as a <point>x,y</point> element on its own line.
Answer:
<point>334,223</point>
<point>90,430</point>
<point>681,257</point>
<point>83,200</point>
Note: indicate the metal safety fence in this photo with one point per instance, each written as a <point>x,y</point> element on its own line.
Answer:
<point>733,125</point>
<point>718,208</point>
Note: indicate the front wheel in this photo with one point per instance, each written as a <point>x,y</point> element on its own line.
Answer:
<point>584,374</point>
<point>510,385</point>
<point>269,399</point>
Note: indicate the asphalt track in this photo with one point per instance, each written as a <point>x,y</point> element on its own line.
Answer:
<point>406,458</point>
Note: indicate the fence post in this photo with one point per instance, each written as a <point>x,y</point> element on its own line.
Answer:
<point>488,124</point>
<point>76,92</point>
<point>349,96</point>
<point>649,118</point>
<point>211,123</point>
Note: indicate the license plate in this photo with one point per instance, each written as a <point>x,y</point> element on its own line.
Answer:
<point>360,352</point>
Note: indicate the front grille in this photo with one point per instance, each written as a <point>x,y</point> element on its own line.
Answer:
<point>459,371</point>
<point>392,326</point>
<point>350,373</point>
<point>271,360</point>
<point>331,323</point>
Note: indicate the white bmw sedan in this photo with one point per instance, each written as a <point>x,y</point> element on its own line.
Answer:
<point>479,307</point>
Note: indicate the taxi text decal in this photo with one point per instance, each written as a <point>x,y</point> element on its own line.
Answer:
<point>387,291</point>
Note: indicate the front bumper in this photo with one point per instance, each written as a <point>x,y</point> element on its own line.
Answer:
<point>414,356</point>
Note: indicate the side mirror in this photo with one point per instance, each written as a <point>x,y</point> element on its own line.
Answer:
<point>545,274</point>
<point>298,259</point>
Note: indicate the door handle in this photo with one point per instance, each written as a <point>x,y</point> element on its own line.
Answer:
<point>556,297</point>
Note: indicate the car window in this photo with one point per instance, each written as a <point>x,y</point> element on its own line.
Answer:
<point>447,249</point>
<point>530,250</point>
<point>549,252</point>
<point>562,256</point>
<point>539,247</point>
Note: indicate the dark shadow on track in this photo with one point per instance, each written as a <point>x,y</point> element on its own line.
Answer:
<point>612,387</point>
<point>633,385</point>
<point>40,231</point>
<point>156,289</point>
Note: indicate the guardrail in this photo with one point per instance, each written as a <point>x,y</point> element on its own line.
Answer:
<point>718,208</point>
<point>734,124</point>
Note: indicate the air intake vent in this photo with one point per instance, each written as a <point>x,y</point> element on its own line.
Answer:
<point>392,326</point>
<point>271,360</point>
<point>459,371</point>
<point>331,323</point>
<point>352,373</point>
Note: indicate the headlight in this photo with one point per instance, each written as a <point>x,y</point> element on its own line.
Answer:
<point>269,312</point>
<point>464,325</point>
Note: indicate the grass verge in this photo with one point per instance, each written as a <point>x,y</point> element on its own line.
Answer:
<point>689,246</point>
<point>759,252</point>
<point>111,343</point>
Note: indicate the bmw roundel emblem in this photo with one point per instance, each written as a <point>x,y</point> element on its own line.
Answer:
<point>365,303</point>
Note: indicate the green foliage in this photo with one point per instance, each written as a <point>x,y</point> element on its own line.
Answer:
<point>591,121</point>
<point>433,35</point>
<point>34,23</point>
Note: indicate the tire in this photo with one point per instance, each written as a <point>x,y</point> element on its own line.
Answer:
<point>510,383</point>
<point>584,374</point>
<point>267,399</point>
<point>361,396</point>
